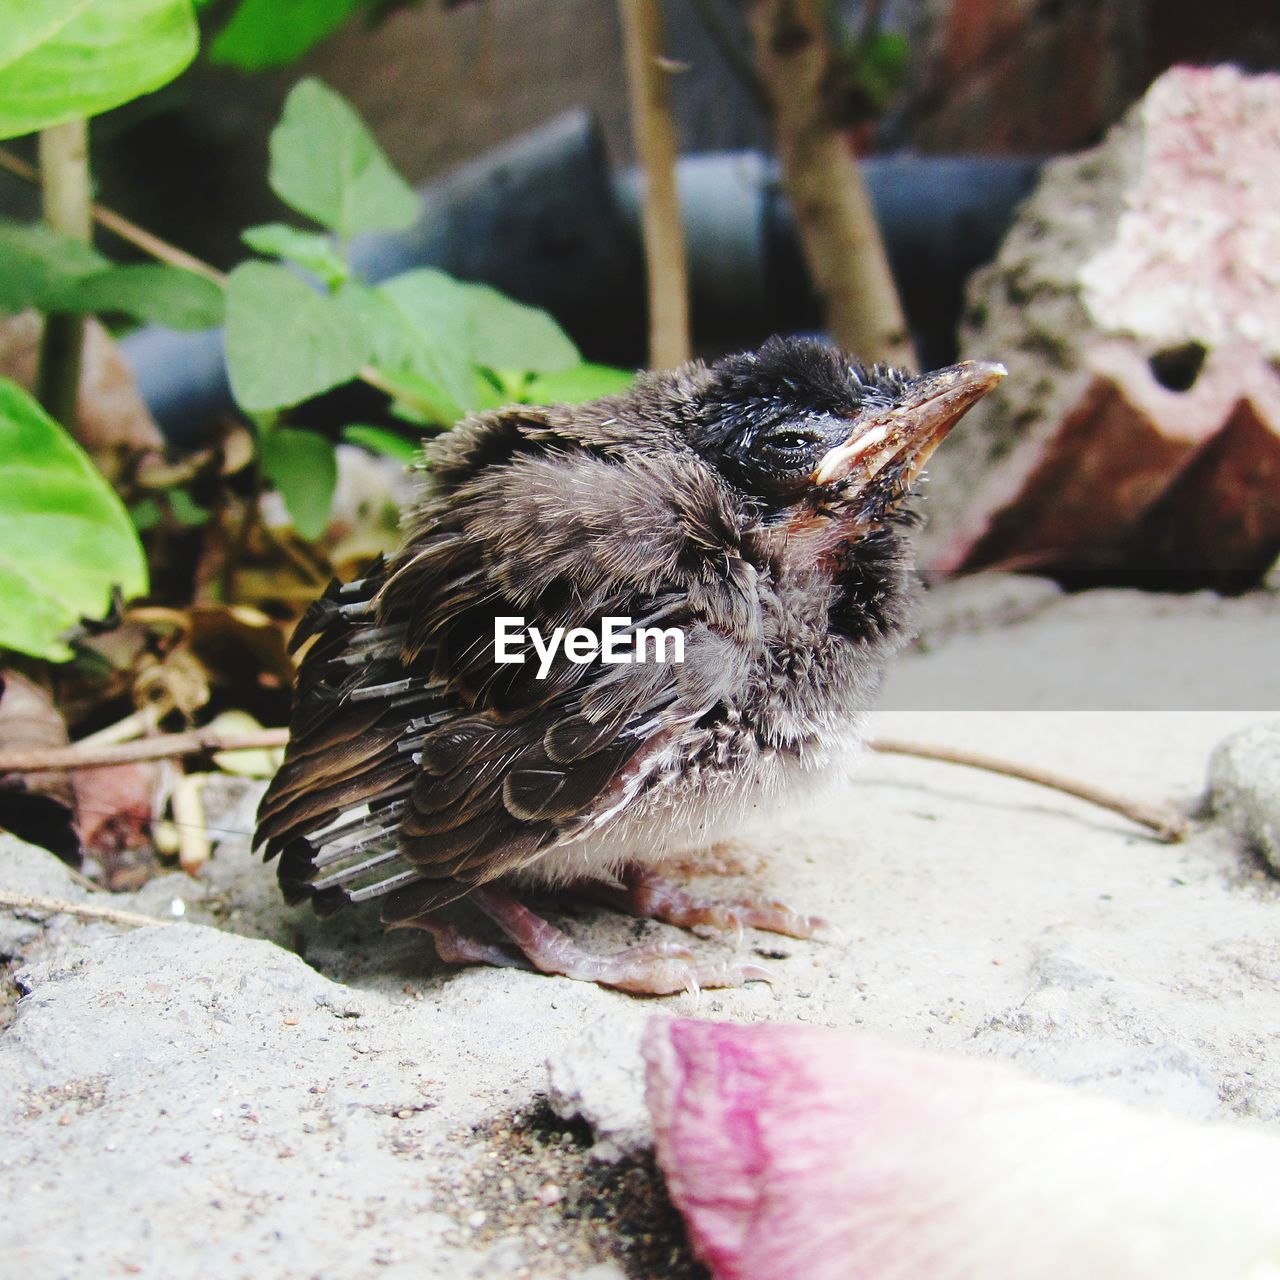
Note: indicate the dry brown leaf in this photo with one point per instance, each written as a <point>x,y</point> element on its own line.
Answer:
<point>114,426</point>
<point>116,807</point>
<point>38,808</point>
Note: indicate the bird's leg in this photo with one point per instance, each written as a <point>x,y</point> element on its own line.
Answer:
<point>657,969</point>
<point>455,947</point>
<point>643,892</point>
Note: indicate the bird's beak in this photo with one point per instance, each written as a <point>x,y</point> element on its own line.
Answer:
<point>907,432</point>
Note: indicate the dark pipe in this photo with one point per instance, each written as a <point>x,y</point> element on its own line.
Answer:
<point>543,220</point>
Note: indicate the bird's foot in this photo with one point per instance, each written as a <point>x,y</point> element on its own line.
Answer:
<point>656,969</point>
<point>455,947</point>
<point>644,893</point>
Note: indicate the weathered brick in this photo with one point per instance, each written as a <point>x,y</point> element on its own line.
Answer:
<point>1136,302</point>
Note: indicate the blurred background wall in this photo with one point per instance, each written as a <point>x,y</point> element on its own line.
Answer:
<point>443,82</point>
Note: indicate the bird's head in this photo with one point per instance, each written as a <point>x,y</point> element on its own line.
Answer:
<point>821,444</point>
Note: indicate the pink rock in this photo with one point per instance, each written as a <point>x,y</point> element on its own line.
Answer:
<point>1137,304</point>
<point>800,1153</point>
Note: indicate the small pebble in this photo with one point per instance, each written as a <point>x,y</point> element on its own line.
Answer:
<point>1244,788</point>
<point>550,1194</point>
<point>477,1220</point>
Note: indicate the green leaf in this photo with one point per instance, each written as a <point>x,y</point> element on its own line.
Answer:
<point>308,249</point>
<point>326,164</point>
<point>153,293</point>
<point>81,59</point>
<point>186,511</point>
<point>38,265</point>
<point>882,67</point>
<point>585,381</point>
<point>41,268</point>
<point>146,515</point>
<point>441,328</point>
<point>417,401</point>
<point>272,33</point>
<point>285,342</point>
<point>65,538</point>
<point>501,387</point>
<point>384,441</point>
<point>51,272</point>
<point>176,505</point>
<point>416,326</point>
<point>302,466</point>
<point>32,22</point>
<point>505,334</point>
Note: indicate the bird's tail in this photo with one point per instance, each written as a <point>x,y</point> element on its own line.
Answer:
<point>333,809</point>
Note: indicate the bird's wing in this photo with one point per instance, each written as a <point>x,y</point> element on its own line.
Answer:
<point>418,767</point>
<point>332,809</point>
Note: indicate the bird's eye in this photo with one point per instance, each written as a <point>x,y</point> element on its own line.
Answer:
<point>790,441</point>
<point>783,456</point>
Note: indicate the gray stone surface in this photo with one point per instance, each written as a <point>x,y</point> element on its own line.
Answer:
<point>988,648</point>
<point>37,874</point>
<point>252,1092</point>
<point>599,1078</point>
<point>1244,788</point>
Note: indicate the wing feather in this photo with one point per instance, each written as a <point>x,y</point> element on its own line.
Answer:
<point>418,767</point>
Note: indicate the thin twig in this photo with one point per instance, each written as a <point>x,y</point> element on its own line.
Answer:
<point>84,910</point>
<point>1165,823</point>
<point>130,232</point>
<point>161,747</point>
<point>655,139</point>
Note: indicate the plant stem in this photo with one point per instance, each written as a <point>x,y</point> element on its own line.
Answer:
<point>655,138</point>
<point>64,184</point>
<point>833,212</point>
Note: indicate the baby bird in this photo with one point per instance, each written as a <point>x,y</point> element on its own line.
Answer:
<point>749,514</point>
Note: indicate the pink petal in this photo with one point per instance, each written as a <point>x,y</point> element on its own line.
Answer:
<point>798,1153</point>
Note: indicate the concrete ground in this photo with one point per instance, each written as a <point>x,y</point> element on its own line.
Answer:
<point>250,1092</point>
